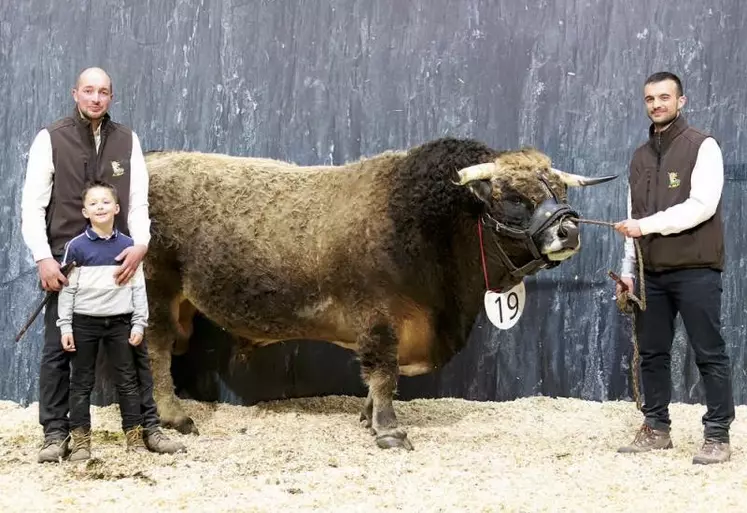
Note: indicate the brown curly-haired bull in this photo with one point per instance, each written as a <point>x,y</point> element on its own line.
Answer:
<point>380,256</point>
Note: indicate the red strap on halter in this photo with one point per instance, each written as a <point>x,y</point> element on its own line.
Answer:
<point>482,257</point>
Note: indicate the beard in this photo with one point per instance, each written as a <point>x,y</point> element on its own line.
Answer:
<point>664,123</point>
<point>90,116</point>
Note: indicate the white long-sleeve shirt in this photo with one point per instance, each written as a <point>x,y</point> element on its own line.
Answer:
<point>37,193</point>
<point>706,184</point>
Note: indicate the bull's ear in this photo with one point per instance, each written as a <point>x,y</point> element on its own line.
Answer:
<point>483,189</point>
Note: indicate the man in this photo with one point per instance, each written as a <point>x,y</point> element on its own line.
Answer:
<point>69,153</point>
<point>674,210</point>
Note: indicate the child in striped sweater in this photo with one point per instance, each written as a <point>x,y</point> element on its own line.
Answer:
<point>93,308</point>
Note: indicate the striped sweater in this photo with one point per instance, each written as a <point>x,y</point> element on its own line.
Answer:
<point>91,289</point>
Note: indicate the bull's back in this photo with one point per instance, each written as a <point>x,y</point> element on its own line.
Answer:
<point>268,247</point>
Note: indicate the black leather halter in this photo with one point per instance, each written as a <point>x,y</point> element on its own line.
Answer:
<point>548,212</point>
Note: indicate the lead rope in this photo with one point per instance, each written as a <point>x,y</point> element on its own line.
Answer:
<point>627,303</point>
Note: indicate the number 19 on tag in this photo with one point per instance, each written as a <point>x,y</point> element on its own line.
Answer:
<point>504,309</point>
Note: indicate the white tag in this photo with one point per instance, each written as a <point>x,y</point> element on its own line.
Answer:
<point>504,309</point>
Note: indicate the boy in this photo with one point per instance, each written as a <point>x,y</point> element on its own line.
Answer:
<point>93,308</point>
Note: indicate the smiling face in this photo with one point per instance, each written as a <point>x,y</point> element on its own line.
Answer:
<point>99,207</point>
<point>93,93</point>
<point>663,102</point>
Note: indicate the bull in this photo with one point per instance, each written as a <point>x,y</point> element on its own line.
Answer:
<point>380,256</point>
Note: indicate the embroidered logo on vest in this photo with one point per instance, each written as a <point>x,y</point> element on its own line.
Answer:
<point>118,170</point>
<point>674,180</point>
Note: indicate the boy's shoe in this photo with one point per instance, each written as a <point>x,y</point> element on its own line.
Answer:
<point>156,441</point>
<point>81,442</point>
<point>134,438</point>
<point>53,450</point>
<point>648,439</point>
<point>712,451</point>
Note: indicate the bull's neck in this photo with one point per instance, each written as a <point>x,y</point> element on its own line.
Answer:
<point>470,281</point>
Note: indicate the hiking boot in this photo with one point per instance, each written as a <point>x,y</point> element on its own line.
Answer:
<point>157,442</point>
<point>53,450</point>
<point>648,439</point>
<point>712,451</point>
<point>81,449</point>
<point>134,439</point>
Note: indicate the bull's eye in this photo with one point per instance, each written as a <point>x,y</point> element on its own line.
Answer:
<point>515,212</point>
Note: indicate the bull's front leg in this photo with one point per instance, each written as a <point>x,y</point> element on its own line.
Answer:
<point>379,368</point>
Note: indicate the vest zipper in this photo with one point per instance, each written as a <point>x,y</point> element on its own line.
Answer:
<point>658,172</point>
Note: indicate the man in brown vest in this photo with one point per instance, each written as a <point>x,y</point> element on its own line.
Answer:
<point>81,148</point>
<point>674,210</point>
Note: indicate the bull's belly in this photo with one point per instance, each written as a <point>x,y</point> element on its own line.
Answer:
<point>330,321</point>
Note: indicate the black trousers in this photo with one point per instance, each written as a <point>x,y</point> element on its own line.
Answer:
<point>54,381</point>
<point>696,295</point>
<point>113,333</point>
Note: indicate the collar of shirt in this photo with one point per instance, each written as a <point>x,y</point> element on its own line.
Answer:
<point>95,236</point>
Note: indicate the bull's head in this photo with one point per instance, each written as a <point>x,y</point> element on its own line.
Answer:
<point>525,202</point>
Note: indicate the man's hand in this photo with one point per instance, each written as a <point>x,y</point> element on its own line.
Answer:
<point>130,258</point>
<point>50,275</point>
<point>135,339</point>
<point>629,228</point>
<point>628,282</point>
<point>68,342</point>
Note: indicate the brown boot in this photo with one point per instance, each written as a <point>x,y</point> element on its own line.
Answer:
<point>53,450</point>
<point>157,442</point>
<point>81,442</point>
<point>712,451</point>
<point>648,439</point>
<point>134,439</point>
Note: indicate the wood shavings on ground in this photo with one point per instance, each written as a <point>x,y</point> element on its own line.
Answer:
<point>530,455</point>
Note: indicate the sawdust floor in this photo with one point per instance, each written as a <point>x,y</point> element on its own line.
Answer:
<point>535,454</point>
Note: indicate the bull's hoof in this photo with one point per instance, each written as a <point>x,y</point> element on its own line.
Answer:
<point>394,440</point>
<point>185,425</point>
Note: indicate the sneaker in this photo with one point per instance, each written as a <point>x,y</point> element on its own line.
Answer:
<point>81,449</point>
<point>134,438</point>
<point>53,450</point>
<point>648,439</point>
<point>157,442</point>
<point>712,451</point>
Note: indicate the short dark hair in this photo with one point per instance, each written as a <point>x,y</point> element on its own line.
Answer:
<point>96,184</point>
<point>660,76</point>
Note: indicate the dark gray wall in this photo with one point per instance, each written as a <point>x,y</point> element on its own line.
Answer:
<point>327,82</point>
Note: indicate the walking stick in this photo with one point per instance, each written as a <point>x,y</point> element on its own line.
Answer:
<point>65,270</point>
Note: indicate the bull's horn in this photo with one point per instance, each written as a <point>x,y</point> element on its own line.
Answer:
<point>477,172</point>
<point>572,180</point>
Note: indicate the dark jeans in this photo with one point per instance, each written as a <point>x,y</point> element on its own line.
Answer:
<point>113,333</point>
<point>696,295</point>
<point>54,381</point>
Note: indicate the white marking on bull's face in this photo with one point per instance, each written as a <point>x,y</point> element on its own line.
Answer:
<point>560,241</point>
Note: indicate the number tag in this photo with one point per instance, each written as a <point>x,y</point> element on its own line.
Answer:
<point>504,309</point>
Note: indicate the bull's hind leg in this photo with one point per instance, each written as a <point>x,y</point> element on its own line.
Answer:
<point>379,369</point>
<point>367,411</point>
<point>164,327</point>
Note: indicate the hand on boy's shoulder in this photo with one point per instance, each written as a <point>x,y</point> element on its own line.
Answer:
<point>130,258</point>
